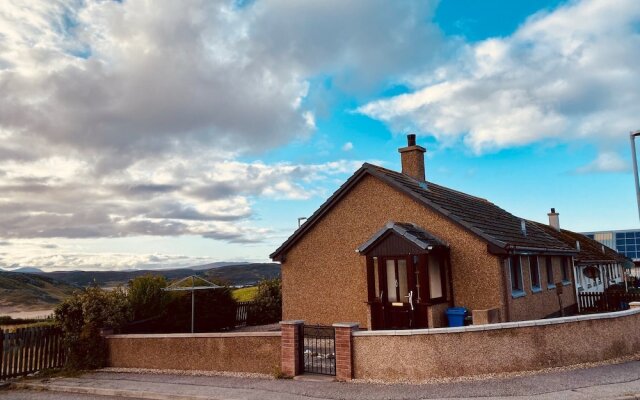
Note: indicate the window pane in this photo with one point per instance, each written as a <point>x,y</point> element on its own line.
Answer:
<point>516,276</point>
<point>535,273</point>
<point>402,281</point>
<point>391,280</point>
<point>435,277</point>
<point>549,271</point>
<point>376,277</point>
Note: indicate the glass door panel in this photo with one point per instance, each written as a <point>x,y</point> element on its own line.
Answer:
<point>402,281</point>
<point>391,281</point>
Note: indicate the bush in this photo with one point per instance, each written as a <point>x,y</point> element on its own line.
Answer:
<point>268,303</point>
<point>81,317</point>
<point>215,310</point>
<point>146,296</point>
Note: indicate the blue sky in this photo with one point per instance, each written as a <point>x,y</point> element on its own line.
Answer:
<point>137,137</point>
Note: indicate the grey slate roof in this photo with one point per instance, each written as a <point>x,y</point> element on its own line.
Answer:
<point>591,251</point>
<point>483,218</point>
<point>411,232</point>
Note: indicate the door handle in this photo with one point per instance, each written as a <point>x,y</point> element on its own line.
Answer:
<point>410,297</point>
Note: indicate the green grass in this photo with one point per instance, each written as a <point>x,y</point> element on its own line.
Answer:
<point>245,294</point>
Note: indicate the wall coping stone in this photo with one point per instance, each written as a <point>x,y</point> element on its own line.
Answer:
<point>346,325</point>
<point>193,335</point>
<point>292,322</point>
<point>503,325</point>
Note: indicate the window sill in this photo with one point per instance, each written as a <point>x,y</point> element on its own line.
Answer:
<point>518,294</point>
<point>551,286</point>
<point>536,289</point>
<point>566,283</point>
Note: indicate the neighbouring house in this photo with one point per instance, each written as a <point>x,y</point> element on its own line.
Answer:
<point>390,250</point>
<point>625,242</point>
<point>596,266</point>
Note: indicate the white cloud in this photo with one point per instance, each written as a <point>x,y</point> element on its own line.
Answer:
<point>347,146</point>
<point>605,162</point>
<point>128,118</point>
<point>571,74</point>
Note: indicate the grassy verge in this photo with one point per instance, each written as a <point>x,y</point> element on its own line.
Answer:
<point>245,294</point>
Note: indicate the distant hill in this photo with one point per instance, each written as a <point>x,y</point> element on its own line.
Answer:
<point>30,270</point>
<point>216,265</point>
<point>31,291</point>
<point>235,274</point>
<point>245,274</point>
<point>113,278</point>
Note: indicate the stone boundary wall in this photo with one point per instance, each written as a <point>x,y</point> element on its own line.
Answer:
<point>254,352</point>
<point>418,355</point>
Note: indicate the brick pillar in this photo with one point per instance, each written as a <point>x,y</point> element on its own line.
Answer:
<point>290,347</point>
<point>344,350</point>
<point>634,304</point>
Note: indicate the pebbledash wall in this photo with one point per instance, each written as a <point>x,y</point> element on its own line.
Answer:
<point>496,348</point>
<point>408,355</point>
<point>224,352</point>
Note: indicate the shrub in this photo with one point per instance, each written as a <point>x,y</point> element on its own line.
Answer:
<point>146,296</point>
<point>215,310</point>
<point>268,303</point>
<point>81,317</point>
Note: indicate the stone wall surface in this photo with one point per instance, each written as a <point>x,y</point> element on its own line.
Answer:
<point>229,352</point>
<point>324,279</point>
<point>507,347</point>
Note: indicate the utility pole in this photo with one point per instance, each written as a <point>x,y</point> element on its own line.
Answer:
<point>632,137</point>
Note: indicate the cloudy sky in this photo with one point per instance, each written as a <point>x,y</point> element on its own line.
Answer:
<point>142,133</point>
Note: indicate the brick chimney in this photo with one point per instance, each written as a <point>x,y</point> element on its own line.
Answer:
<point>554,219</point>
<point>412,158</point>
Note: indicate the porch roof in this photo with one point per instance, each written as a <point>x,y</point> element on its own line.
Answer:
<point>412,232</point>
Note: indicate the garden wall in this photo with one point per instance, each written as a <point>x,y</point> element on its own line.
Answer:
<point>257,352</point>
<point>497,348</point>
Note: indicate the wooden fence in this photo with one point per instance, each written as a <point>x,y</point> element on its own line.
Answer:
<point>243,309</point>
<point>593,302</point>
<point>28,350</point>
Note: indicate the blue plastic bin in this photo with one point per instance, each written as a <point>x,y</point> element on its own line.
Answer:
<point>455,315</point>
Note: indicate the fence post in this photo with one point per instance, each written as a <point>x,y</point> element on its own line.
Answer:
<point>344,350</point>
<point>290,347</point>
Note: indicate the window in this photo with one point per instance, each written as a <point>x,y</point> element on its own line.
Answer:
<point>515,271</point>
<point>534,271</point>
<point>376,278</point>
<point>549,266</point>
<point>435,277</point>
<point>566,277</point>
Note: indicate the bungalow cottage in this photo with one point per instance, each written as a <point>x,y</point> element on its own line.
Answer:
<point>596,266</point>
<point>390,250</point>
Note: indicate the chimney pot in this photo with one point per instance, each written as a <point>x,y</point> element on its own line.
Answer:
<point>412,158</point>
<point>411,139</point>
<point>554,219</point>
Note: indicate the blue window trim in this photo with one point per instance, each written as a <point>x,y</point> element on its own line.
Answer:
<point>566,283</point>
<point>551,286</point>
<point>516,294</point>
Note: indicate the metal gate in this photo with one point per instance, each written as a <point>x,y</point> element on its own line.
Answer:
<point>318,349</point>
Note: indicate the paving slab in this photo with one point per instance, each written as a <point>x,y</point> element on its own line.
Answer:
<point>621,381</point>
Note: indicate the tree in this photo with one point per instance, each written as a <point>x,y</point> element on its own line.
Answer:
<point>81,317</point>
<point>268,303</point>
<point>146,296</point>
